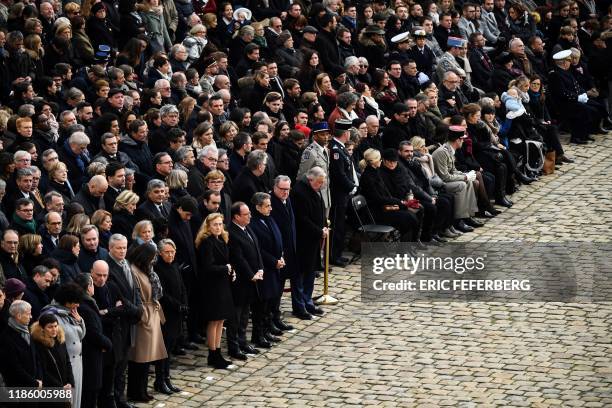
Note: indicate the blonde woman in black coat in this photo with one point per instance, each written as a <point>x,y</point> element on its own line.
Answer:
<point>214,265</point>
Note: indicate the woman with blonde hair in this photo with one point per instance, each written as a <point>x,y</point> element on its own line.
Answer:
<point>185,107</point>
<point>143,233</point>
<point>33,46</point>
<point>58,181</point>
<point>30,251</point>
<point>76,224</point>
<point>385,208</point>
<point>177,184</point>
<point>123,213</point>
<point>213,261</point>
<point>203,136</point>
<point>326,93</point>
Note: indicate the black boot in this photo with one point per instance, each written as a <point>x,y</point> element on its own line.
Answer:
<point>171,386</point>
<point>221,358</point>
<point>215,361</point>
<point>160,373</point>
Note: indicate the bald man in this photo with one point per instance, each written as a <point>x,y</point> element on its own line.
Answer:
<point>91,195</point>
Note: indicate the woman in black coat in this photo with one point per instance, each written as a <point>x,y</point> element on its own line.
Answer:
<point>271,247</point>
<point>385,208</point>
<point>95,343</point>
<point>174,305</point>
<point>99,29</point>
<point>217,274</point>
<point>67,252</point>
<point>49,343</point>
<point>123,214</point>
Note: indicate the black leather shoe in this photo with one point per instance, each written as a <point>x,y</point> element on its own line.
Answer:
<point>339,262</point>
<point>198,339</point>
<point>484,214</point>
<point>316,311</point>
<point>523,178</point>
<point>271,338</point>
<point>504,202</point>
<point>420,245</point>
<point>262,343</point>
<point>438,238</point>
<point>162,387</point>
<point>172,387</point>
<point>179,351</point>
<point>463,227</point>
<point>302,315</point>
<point>238,355</point>
<point>432,242</point>
<point>275,331</point>
<point>123,404</point>
<point>565,159</point>
<point>248,349</point>
<point>282,325</point>
<point>473,223</point>
<point>190,346</point>
<point>579,141</point>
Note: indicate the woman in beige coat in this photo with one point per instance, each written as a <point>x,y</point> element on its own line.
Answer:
<point>149,345</point>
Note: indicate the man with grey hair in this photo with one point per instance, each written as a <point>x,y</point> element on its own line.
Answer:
<point>158,140</point>
<point>222,82</point>
<point>310,228</point>
<point>91,195</point>
<point>76,157</point>
<point>351,65</point>
<point>207,161</point>
<point>163,87</point>
<point>22,159</point>
<point>19,366</point>
<point>155,206</point>
<point>178,82</point>
<point>249,180</point>
<point>185,159</point>
<point>23,180</point>
<point>120,275</point>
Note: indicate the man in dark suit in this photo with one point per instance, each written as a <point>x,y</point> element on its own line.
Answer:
<point>23,180</point>
<point>182,235</point>
<point>343,184</point>
<point>249,180</point>
<point>120,274</point>
<point>422,54</point>
<point>310,228</point>
<point>247,262</point>
<point>51,232</point>
<point>155,206</point>
<point>115,176</point>
<point>282,212</point>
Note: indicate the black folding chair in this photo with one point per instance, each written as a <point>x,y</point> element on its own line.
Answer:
<point>371,231</point>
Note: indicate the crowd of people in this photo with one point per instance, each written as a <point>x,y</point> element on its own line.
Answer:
<point>168,167</point>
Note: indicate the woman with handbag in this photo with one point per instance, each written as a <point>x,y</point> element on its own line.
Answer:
<point>385,208</point>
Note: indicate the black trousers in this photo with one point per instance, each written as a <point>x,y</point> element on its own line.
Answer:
<point>138,379</point>
<point>121,365</point>
<point>259,311</point>
<point>404,221</point>
<point>429,215</point>
<point>338,219</point>
<point>106,398</point>
<point>237,328</point>
<point>444,212</point>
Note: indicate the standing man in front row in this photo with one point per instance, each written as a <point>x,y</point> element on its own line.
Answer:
<point>317,154</point>
<point>343,184</point>
<point>310,227</point>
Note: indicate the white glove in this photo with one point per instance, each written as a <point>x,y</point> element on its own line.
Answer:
<point>471,176</point>
<point>583,98</point>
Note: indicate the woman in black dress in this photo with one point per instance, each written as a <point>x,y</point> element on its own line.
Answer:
<point>213,260</point>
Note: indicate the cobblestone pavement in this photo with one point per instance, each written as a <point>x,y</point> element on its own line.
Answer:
<point>444,354</point>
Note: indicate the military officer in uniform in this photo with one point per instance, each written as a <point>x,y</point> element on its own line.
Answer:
<point>422,54</point>
<point>343,184</point>
<point>571,99</point>
<point>316,154</point>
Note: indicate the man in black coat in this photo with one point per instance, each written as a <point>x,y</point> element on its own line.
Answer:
<point>36,287</point>
<point>310,228</point>
<point>91,195</point>
<point>155,206</point>
<point>182,235</point>
<point>396,131</point>
<point>120,274</point>
<point>18,362</point>
<point>282,212</point>
<point>343,184</point>
<point>250,181</point>
<point>247,262</point>
<point>95,343</point>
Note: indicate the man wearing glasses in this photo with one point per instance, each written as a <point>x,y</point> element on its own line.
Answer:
<point>396,130</point>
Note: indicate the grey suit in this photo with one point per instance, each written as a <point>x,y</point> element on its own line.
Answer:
<point>488,26</point>
<point>316,155</point>
<point>454,182</point>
